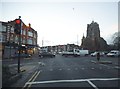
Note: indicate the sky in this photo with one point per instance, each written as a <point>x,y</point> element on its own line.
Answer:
<point>63,22</point>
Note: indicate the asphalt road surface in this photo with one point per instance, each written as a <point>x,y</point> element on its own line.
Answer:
<point>75,72</point>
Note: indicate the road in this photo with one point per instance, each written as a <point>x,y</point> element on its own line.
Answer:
<point>74,72</point>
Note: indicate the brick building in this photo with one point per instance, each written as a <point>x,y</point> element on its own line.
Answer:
<point>9,40</point>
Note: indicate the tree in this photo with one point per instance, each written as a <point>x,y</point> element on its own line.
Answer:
<point>116,40</point>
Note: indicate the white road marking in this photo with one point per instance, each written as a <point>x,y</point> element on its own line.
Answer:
<point>30,79</point>
<point>106,66</point>
<point>117,67</point>
<point>41,63</point>
<point>100,67</point>
<point>82,68</point>
<point>93,85</point>
<point>76,68</point>
<point>92,68</point>
<point>60,69</point>
<point>76,80</point>
<point>34,78</point>
<point>51,69</point>
<point>68,69</point>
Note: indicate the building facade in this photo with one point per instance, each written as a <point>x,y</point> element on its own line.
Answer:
<point>60,48</point>
<point>9,41</point>
<point>93,41</point>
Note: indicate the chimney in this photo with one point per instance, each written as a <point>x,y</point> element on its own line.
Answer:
<point>29,25</point>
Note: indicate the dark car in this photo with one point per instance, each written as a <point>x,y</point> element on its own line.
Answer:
<point>46,54</point>
<point>21,55</point>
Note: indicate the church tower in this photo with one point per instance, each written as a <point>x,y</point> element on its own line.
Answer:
<point>93,41</point>
<point>93,30</point>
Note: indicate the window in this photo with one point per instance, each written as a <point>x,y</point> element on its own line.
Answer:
<point>12,30</point>
<point>0,27</point>
<point>24,32</point>
<point>23,41</point>
<point>16,39</point>
<point>30,34</point>
<point>3,28</point>
<point>11,37</point>
<point>2,38</point>
<point>29,41</point>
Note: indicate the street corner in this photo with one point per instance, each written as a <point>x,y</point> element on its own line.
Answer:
<point>26,68</point>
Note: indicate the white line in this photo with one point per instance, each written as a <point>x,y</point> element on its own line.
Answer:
<point>60,69</point>
<point>34,79</point>
<point>92,68</point>
<point>117,67</point>
<point>68,69</point>
<point>30,79</point>
<point>93,85</point>
<point>51,69</point>
<point>77,80</point>
<point>76,68</point>
<point>82,68</point>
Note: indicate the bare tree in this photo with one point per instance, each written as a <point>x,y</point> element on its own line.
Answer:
<point>116,39</point>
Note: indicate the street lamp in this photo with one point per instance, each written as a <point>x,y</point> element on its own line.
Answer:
<point>9,36</point>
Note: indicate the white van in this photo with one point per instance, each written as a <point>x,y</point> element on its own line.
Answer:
<point>113,53</point>
<point>84,52</point>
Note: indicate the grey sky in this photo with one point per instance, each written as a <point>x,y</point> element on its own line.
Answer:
<point>64,22</point>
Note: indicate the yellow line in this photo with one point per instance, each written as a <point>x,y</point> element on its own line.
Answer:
<point>33,80</point>
<point>30,79</point>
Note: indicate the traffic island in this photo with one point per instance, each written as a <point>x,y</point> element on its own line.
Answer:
<point>105,62</point>
<point>102,62</point>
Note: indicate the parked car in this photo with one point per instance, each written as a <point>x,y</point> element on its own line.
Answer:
<point>22,55</point>
<point>95,53</point>
<point>113,53</point>
<point>46,54</point>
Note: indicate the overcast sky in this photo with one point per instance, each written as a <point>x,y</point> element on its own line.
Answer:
<point>63,22</point>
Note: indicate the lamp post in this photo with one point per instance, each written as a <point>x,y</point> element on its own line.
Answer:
<point>9,36</point>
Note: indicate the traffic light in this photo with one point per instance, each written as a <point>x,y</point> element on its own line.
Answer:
<point>17,28</point>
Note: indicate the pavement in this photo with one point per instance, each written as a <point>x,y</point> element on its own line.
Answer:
<point>26,69</point>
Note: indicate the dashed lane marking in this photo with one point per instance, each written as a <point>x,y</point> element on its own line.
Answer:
<point>100,67</point>
<point>109,67</point>
<point>76,68</point>
<point>68,69</point>
<point>51,69</point>
<point>82,68</point>
<point>60,69</point>
<point>117,67</point>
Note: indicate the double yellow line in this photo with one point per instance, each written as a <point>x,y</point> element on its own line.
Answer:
<point>32,79</point>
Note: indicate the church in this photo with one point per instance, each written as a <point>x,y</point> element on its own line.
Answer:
<point>93,41</point>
